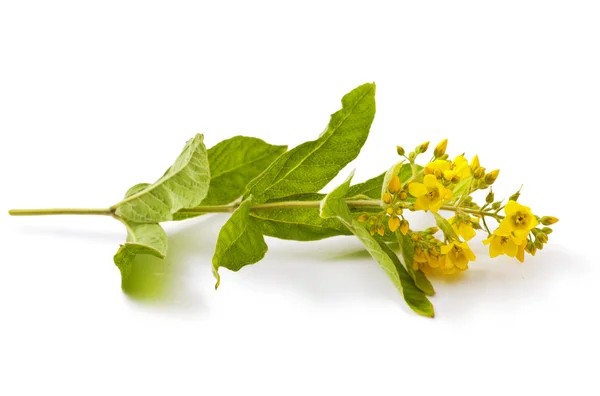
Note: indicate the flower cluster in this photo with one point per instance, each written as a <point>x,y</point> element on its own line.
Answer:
<point>445,184</point>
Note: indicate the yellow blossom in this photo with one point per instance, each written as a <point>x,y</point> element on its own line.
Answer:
<point>519,221</point>
<point>503,243</point>
<point>460,166</point>
<point>430,194</point>
<point>455,256</point>
<point>464,227</point>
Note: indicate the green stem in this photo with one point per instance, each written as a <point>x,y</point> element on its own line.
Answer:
<point>352,203</point>
<point>63,211</point>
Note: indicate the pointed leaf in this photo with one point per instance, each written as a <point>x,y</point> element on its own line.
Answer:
<point>445,226</point>
<point>334,204</point>
<point>233,164</point>
<point>240,242</point>
<point>407,250</point>
<point>184,185</point>
<point>148,239</point>
<point>386,258</point>
<point>310,166</point>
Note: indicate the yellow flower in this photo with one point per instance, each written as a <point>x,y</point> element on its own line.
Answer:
<point>502,243</point>
<point>519,221</point>
<point>430,194</point>
<point>464,227</point>
<point>460,166</point>
<point>458,169</point>
<point>455,256</point>
<point>437,168</point>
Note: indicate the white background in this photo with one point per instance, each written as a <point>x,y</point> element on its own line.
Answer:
<point>97,97</point>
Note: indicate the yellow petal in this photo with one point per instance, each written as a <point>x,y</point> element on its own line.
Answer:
<point>449,175</point>
<point>430,181</point>
<point>418,189</point>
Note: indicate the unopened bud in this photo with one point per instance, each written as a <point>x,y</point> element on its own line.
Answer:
<point>373,230</point>
<point>547,230</point>
<point>399,211</point>
<point>515,196</point>
<point>393,223</point>
<point>490,197</point>
<point>372,220</point>
<point>542,237</point>
<point>394,185</point>
<point>422,148</point>
<point>390,210</point>
<point>440,149</point>
<point>432,230</point>
<point>412,156</point>
<point>363,217</point>
<point>400,150</point>
<point>404,227</point>
<point>491,177</point>
<point>539,245</point>
<point>549,220</point>
<point>387,198</point>
<point>403,196</point>
<point>475,164</point>
<point>479,173</point>
<point>496,205</point>
<point>381,230</point>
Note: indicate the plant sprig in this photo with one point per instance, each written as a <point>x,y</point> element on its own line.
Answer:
<point>271,191</point>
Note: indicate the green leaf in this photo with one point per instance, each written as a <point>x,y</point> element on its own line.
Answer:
<point>407,250</point>
<point>305,224</point>
<point>334,205</point>
<point>414,296</point>
<point>240,242</point>
<point>386,258</point>
<point>462,187</point>
<point>445,226</point>
<point>233,164</point>
<point>370,188</point>
<point>310,166</point>
<point>184,185</point>
<point>148,239</point>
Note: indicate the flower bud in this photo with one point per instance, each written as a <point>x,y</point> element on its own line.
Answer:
<point>542,237</point>
<point>496,205</point>
<point>373,229</point>
<point>475,164</point>
<point>490,197</point>
<point>381,230</point>
<point>422,148</point>
<point>372,220</point>
<point>363,217</point>
<point>403,196</point>
<point>399,211</point>
<point>393,223</point>
<point>390,210</point>
<point>479,173</point>
<point>491,177</point>
<point>548,220</point>
<point>440,149</point>
<point>386,197</point>
<point>515,196</point>
<point>400,150</point>
<point>394,185</point>
<point>412,156</point>
<point>404,227</point>
<point>547,230</point>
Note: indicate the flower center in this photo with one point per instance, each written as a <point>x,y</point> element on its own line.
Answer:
<point>520,218</point>
<point>433,194</point>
